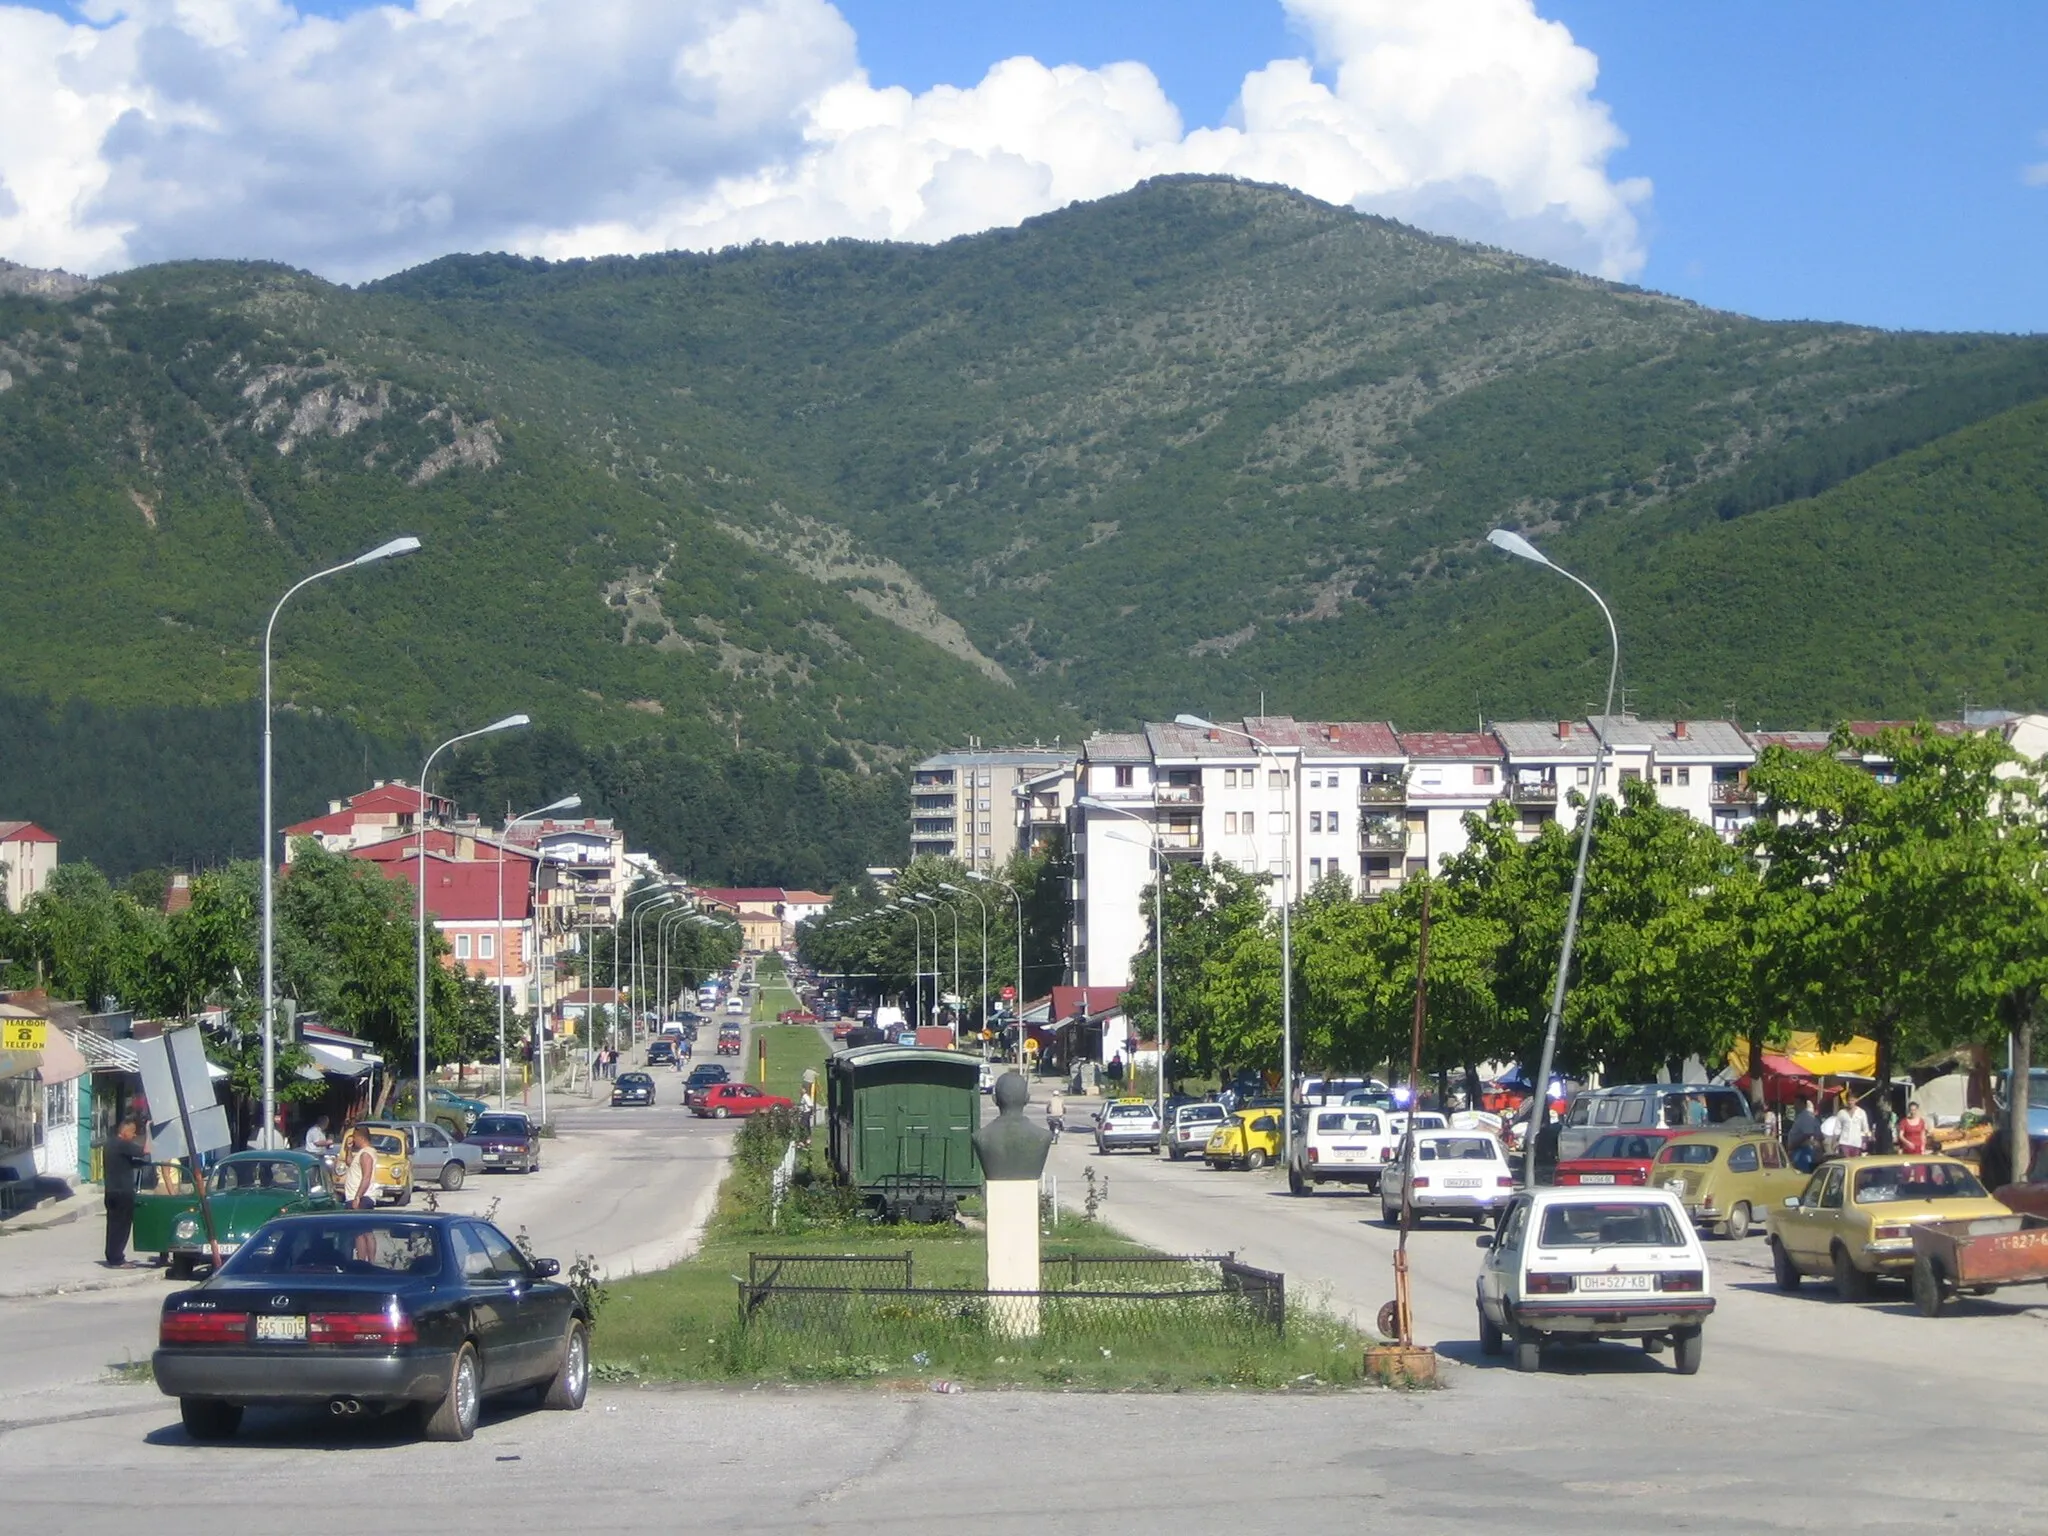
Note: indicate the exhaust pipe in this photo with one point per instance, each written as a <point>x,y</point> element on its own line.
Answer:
<point>344,1407</point>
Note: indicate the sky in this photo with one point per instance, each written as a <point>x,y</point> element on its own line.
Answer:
<point>1860,160</point>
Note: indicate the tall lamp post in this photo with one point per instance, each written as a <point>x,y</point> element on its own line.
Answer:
<point>400,546</point>
<point>566,803</point>
<point>652,904</point>
<point>1150,841</point>
<point>911,905</point>
<point>976,899</point>
<point>937,906</point>
<point>1196,722</point>
<point>419,861</point>
<point>1514,544</point>
<point>1016,896</point>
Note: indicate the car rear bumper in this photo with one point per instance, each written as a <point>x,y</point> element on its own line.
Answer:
<point>243,1376</point>
<point>1647,1314</point>
<point>1112,1141</point>
<point>1460,1203</point>
<point>1342,1173</point>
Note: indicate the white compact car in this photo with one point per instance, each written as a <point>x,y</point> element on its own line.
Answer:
<point>1351,1145</point>
<point>1591,1264</point>
<point>1190,1128</point>
<point>1448,1173</point>
<point>1128,1123</point>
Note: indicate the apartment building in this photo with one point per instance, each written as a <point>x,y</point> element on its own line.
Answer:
<point>27,855</point>
<point>981,805</point>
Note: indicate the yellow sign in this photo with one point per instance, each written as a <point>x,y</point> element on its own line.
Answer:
<point>24,1035</point>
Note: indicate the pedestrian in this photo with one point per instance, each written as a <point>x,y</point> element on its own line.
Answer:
<point>317,1138</point>
<point>1913,1131</point>
<point>359,1176</point>
<point>1695,1109</point>
<point>1804,1142</point>
<point>1883,1130</point>
<point>125,1154</point>
<point>1056,1113</point>
<point>1851,1128</point>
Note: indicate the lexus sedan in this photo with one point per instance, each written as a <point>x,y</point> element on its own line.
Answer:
<point>372,1313</point>
<point>507,1140</point>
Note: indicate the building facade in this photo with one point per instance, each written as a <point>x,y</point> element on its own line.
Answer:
<point>27,855</point>
<point>981,805</point>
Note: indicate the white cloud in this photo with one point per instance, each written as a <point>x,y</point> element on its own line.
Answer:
<point>239,127</point>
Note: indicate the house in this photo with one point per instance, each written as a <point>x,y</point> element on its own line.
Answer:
<point>588,857</point>
<point>482,903</point>
<point>981,804</point>
<point>1451,774</point>
<point>761,911</point>
<point>388,809</point>
<point>27,855</point>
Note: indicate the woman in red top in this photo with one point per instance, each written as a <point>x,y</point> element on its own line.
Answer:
<point>1913,1131</point>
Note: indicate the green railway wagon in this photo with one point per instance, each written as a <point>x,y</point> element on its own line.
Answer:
<point>900,1124</point>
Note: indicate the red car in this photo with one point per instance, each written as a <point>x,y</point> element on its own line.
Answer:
<point>796,1016</point>
<point>1619,1157</point>
<point>722,1101</point>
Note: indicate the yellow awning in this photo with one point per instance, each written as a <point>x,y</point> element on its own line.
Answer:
<point>1854,1057</point>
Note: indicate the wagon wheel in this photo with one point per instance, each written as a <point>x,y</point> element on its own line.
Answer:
<point>1930,1286</point>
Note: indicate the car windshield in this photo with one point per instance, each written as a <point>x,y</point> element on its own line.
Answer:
<point>1915,1181</point>
<point>633,1080</point>
<point>1610,1225</point>
<point>1195,1112</point>
<point>500,1125</point>
<point>1695,1152</point>
<point>234,1177</point>
<point>301,1247</point>
<point>1476,1149</point>
<point>1623,1147</point>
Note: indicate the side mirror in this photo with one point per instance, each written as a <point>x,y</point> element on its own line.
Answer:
<point>1791,1202</point>
<point>545,1269</point>
<point>1482,1242</point>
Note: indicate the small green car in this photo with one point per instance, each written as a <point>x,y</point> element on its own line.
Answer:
<point>455,1113</point>
<point>245,1191</point>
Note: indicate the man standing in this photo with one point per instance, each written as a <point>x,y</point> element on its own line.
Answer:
<point>126,1153</point>
<point>317,1138</point>
<point>1804,1141</point>
<point>1852,1127</point>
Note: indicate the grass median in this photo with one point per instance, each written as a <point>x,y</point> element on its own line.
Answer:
<point>687,1323</point>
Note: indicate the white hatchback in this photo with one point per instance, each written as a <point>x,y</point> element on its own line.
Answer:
<point>1447,1173</point>
<point>1591,1264</point>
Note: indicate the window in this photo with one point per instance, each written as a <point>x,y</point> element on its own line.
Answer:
<point>1585,775</point>
<point>487,946</point>
<point>1482,774</point>
<point>1315,821</point>
<point>1631,775</point>
<point>1315,869</point>
<point>1125,777</point>
<point>1330,822</point>
<point>1611,1224</point>
<point>1663,775</point>
<point>1248,828</point>
<point>983,779</point>
<point>462,946</point>
<point>1774,1154</point>
<point>1276,778</point>
<point>1230,778</point>
<point>1743,1160</point>
<point>1684,777</point>
<point>984,804</point>
<point>1230,823</point>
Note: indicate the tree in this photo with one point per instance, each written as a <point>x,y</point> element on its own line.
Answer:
<point>1209,907</point>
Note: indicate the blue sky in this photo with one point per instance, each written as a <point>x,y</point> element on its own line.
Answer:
<point>1855,160</point>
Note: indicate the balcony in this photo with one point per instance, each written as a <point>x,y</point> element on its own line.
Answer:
<point>1177,794</point>
<point>945,803</point>
<point>1382,791</point>
<point>1733,792</point>
<point>1382,834</point>
<point>1535,792</point>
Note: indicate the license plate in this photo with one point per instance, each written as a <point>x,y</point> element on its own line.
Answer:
<point>1596,1178</point>
<point>1461,1183</point>
<point>1614,1282</point>
<point>283,1329</point>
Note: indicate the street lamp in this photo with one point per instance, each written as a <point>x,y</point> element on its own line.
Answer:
<point>953,912</point>
<point>1514,544</point>
<point>510,722</point>
<point>566,803</point>
<point>1196,722</point>
<point>1016,896</point>
<point>651,904</point>
<point>976,899</point>
<point>1158,933</point>
<point>400,546</point>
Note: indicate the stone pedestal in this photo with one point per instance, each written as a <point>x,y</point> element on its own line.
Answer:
<point>1012,1152</point>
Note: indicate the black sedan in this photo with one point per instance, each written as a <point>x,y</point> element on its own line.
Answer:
<point>700,1080</point>
<point>633,1088</point>
<point>507,1140</point>
<point>663,1053</point>
<point>370,1313</point>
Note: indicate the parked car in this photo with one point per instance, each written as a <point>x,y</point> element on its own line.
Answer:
<point>1727,1180</point>
<point>1248,1139</point>
<point>1190,1127</point>
<point>435,1156</point>
<point>1341,1145</point>
<point>1128,1123</point>
<point>1447,1173</point>
<point>1591,1264</point>
<point>392,1144</point>
<point>663,1053</point>
<point>1318,1091</point>
<point>2030,1196</point>
<point>507,1140</point>
<point>453,1112</point>
<point>728,1042</point>
<point>1641,1106</point>
<point>245,1190</point>
<point>1854,1220</point>
<point>633,1088</point>
<point>372,1313</point>
<point>703,1077</point>
<point>1619,1157</point>
<point>733,1100</point>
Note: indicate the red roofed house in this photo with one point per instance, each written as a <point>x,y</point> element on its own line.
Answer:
<point>28,854</point>
<point>463,902</point>
<point>383,811</point>
<point>1450,775</point>
<point>764,922</point>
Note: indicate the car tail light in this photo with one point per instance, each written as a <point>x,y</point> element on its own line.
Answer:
<point>1386,1154</point>
<point>1314,1156</point>
<point>1891,1234</point>
<point>1544,1284</point>
<point>1504,1181</point>
<point>392,1327</point>
<point>1422,1182</point>
<point>1683,1280</point>
<point>1639,1176</point>
<point>203,1328</point>
<point>1567,1178</point>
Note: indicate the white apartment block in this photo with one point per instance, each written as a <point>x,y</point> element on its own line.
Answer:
<point>1357,800</point>
<point>981,805</point>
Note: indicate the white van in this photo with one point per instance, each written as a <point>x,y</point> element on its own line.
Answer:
<point>1594,1112</point>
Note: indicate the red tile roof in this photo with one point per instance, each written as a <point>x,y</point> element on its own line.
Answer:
<point>755,895</point>
<point>23,832</point>
<point>335,822</point>
<point>1098,1000</point>
<point>1428,744</point>
<point>468,893</point>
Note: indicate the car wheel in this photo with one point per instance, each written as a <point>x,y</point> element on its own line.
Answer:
<point>1688,1342</point>
<point>404,1196</point>
<point>572,1379</point>
<point>1528,1351</point>
<point>1479,1218</point>
<point>452,1174</point>
<point>455,1416</point>
<point>1254,1160</point>
<point>1174,1154</point>
<point>1851,1284</point>
<point>1296,1184</point>
<point>719,1113</point>
<point>180,1266</point>
<point>1930,1294</point>
<point>1491,1340</point>
<point>208,1418</point>
<point>1783,1270</point>
<point>1389,1216</point>
<point>1738,1221</point>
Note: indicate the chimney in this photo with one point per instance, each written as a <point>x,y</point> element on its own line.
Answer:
<point>334,807</point>
<point>1678,729</point>
<point>1564,730</point>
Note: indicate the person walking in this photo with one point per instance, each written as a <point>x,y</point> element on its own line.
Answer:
<point>1851,1128</point>
<point>1804,1141</point>
<point>359,1174</point>
<point>1056,1113</point>
<point>125,1155</point>
<point>1913,1131</point>
<point>318,1140</point>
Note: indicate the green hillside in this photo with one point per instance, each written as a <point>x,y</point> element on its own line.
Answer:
<point>826,506</point>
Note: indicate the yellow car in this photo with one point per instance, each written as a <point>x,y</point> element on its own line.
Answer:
<point>393,1146</point>
<point>1726,1180</point>
<point>1248,1139</point>
<point>1854,1221</point>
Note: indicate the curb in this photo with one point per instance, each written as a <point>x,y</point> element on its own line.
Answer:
<point>71,1213</point>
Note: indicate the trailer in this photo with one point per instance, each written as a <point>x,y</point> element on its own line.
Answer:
<point>900,1124</point>
<point>1978,1255</point>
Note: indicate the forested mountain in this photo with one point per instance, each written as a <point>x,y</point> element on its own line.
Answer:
<point>832,504</point>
